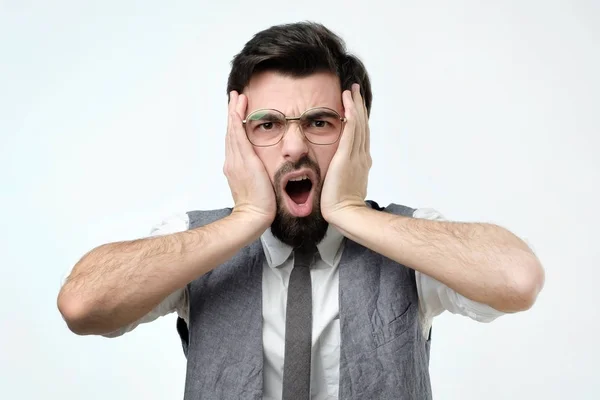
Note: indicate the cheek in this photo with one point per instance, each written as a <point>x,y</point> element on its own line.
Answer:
<point>324,157</point>
<point>269,160</point>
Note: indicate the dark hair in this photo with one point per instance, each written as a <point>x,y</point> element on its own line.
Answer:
<point>299,50</point>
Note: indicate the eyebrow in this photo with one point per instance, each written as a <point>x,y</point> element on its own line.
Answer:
<point>321,114</point>
<point>267,116</point>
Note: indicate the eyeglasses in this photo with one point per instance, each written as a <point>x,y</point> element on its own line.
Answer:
<point>320,125</point>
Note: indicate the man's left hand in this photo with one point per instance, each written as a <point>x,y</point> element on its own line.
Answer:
<point>345,185</point>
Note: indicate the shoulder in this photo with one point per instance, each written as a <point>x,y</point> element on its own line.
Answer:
<point>172,223</point>
<point>407,211</point>
<point>204,217</point>
<point>181,221</point>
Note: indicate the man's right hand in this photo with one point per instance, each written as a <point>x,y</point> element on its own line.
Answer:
<point>248,180</point>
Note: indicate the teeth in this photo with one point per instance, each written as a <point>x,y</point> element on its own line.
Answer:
<point>299,178</point>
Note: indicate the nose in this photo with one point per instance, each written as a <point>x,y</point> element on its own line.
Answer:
<point>294,144</point>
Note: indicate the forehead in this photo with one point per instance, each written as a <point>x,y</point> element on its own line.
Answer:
<point>293,95</point>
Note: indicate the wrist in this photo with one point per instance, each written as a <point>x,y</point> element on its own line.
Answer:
<point>343,216</point>
<point>364,225</point>
<point>254,220</point>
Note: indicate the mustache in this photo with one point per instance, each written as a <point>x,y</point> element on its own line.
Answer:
<point>293,166</point>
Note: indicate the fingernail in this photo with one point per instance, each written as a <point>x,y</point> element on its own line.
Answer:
<point>355,86</point>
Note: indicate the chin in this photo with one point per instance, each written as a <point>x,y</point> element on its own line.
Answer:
<point>296,231</point>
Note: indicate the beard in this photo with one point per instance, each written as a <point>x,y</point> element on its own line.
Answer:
<point>298,231</point>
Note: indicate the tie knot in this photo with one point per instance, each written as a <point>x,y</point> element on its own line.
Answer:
<point>304,255</point>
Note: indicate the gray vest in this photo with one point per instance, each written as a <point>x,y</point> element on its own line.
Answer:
<point>383,353</point>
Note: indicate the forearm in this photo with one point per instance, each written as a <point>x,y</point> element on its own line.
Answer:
<point>483,262</point>
<point>118,283</point>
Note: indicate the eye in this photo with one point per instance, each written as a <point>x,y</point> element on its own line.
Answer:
<point>266,126</point>
<point>319,123</point>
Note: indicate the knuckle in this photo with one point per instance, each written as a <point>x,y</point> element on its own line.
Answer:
<point>229,166</point>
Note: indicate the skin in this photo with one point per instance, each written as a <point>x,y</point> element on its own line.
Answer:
<point>483,262</point>
<point>293,96</point>
<point>117,283</point>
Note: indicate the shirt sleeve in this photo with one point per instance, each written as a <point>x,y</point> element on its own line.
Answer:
<point>435,297</point>
<point>176,301</point>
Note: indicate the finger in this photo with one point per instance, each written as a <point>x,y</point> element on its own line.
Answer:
<point>236,130</point>
<point>240,129</point>
<point>359,105</point>
<point>229,146</point>
<point>367,138</point>
<point>229,139</point>
<point>347,139</point>
<point>364,104</point>
<point>233,100</point>
<point>242,143</point>
<point>242,103</point>
<point>355,113</point>
<point>365,121</point>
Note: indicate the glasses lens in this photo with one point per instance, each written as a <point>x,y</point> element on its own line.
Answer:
<point>265,127</point>
<point>321,125</point>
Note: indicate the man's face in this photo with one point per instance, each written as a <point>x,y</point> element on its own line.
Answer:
<point>298,217</point>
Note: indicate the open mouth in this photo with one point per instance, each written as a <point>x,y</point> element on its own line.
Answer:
<point>299,192</point>
<point>298,189</point>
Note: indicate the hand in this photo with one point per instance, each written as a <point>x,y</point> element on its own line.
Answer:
<point>345,185</point>
<point>248,180</point>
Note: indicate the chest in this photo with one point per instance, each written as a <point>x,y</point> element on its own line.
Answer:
<point>365,317</point>
<point>325,328</point>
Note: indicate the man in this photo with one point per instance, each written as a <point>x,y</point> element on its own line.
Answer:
<point>303,289</point>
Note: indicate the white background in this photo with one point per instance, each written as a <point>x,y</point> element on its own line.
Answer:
<point>113,114</point>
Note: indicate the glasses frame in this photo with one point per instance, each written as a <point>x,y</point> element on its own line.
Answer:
<point>287,125</point>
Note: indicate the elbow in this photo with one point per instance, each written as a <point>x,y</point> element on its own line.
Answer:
<point>73,313</point>
<point>525,285</point>
<point>84,320</point>
<point>76,304</point>
<point>78,317</point>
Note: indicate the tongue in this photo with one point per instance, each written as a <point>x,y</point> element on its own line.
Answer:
<point>299,197</point>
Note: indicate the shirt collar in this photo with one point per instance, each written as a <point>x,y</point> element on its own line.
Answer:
<point>277,252</point>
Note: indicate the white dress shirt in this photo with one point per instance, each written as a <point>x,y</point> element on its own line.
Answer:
<point>434,298</point>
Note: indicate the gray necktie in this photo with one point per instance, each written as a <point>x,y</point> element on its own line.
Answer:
<point>298,328</point>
